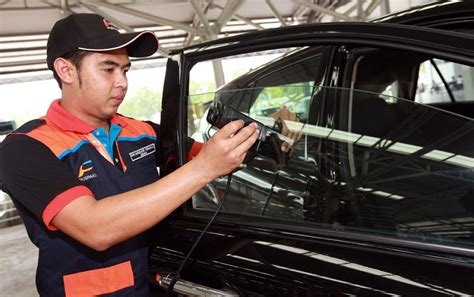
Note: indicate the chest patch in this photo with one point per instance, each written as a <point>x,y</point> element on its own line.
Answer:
<point>86,171</point>
<point>142,152</point>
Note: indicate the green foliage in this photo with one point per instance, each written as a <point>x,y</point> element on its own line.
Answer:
<point>278,96</point>
<point>143,105</point>
<point>201,92</point>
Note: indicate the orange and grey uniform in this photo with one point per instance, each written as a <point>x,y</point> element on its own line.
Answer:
<point>49,162</point>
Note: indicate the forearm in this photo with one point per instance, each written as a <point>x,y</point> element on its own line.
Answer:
<point>114,219</point>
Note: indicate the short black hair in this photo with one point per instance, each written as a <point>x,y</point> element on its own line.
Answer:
<point>75,57</point>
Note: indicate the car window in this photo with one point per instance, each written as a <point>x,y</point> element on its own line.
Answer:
<point>362,160</point>
<point>295,97</point>
<point>284,83</point>
<point>389,167</point>
<point>438,78</point>
<point>202,85</point>
<point>411,76</point>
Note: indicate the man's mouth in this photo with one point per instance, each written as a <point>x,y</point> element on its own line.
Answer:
<point>118,98</point>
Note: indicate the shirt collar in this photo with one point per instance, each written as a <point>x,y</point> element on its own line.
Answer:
<point>68,122</point>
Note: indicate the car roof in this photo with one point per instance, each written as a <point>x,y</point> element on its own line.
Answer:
<point>457,16</point>
<point>453,44</point>
<point>447,15</point>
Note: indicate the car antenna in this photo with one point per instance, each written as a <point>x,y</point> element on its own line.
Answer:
<point>176,276</point>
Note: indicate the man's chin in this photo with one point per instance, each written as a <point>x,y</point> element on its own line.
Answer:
<point>109,113</point>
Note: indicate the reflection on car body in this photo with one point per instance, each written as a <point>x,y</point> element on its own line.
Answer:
<point>377,195</point>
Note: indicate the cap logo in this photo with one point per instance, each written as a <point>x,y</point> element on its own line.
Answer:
<point>109,25</point>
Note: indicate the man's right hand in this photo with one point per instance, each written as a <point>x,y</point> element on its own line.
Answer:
<point>227,149</point>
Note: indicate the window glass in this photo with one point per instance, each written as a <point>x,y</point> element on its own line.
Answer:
<point>412,76</point>
<point>387,167</point>
<point>360,160</point>
<point>438,78</point>
<point>294,97</point>
<point>275,80</point>
<point>202,85</point>
<point>265,187</point>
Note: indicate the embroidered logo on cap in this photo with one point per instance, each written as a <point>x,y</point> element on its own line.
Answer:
<point>109,25</point>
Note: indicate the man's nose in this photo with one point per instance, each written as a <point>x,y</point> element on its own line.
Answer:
<point>121,81</point>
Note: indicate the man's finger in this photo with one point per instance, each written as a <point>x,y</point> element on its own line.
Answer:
<point>242,135</point>
<point>244,146</point>
<point>230,129</point>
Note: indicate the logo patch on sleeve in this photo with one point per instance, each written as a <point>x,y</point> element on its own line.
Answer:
<point>86,171</point>
<point>142,152</point>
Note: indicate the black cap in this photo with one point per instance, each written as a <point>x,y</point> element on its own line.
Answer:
<point>92,32</point>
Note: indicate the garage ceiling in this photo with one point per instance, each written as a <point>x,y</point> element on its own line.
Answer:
<point>24,24</point>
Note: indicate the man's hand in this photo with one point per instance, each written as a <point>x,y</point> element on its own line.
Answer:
<point>227,149</point>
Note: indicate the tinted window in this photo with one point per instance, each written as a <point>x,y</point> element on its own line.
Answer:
<point>438,80</point>
<point>284,83</point>
<point>362,161</point>
<point>412,76</point>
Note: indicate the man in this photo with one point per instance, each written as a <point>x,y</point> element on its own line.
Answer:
<point>84,178</point>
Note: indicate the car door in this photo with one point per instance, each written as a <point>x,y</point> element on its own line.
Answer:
<point>375,194</point>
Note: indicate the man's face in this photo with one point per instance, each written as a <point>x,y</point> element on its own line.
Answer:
<point>101,84</point>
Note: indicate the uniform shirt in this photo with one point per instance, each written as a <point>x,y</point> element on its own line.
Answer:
<point>48,163</point>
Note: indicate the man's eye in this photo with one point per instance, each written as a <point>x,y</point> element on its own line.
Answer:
<point>109,70</point>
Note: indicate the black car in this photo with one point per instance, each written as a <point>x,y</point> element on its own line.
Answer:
<point>375,196</point>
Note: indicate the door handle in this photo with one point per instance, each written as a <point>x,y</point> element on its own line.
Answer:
<point>192,289</point>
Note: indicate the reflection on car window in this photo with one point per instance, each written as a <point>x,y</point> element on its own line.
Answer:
<point>380,166</point>
<point>438,78</point>
<point>284,83</point>
<point>202,85</point>
<point>411,76</point>
<point>294,97</point>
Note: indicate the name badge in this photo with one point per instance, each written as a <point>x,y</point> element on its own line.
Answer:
<point>142,152</point>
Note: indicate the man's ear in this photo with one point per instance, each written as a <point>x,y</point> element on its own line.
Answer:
<point>65,70</point>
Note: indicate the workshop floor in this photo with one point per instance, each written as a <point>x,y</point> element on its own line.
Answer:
<point>18,258</point>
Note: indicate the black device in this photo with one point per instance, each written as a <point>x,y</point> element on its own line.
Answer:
<point>220,115</point>
<point>269,140</point>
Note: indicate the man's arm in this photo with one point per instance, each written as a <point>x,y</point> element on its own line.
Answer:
<point>104,223</point>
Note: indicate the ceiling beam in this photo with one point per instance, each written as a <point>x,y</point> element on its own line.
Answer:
<point>276,13</point>
<point>65,11</point>
<point>299,12</point>
<point>195,24</point>
<point>143,15</point>
<point>49,3</point>
<point>227,13</point>
<point>385,7</point>
<point>372,6</point>
<point>350,10</point>
<point>240,18</point>
<point>319,17</point>
<point>114,20</point>
<point>196,5</point>
<point>360,10</point>
<point>321,9</point>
